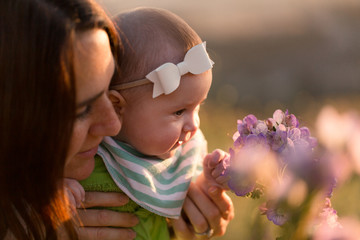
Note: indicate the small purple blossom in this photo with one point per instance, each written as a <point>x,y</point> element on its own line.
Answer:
<point>291,121</point>
<point>241,187</point>
<point>250,120</point>
<point>253,140</point>
<point>305,134</point>
<point>275,214</point>
<point>278,138</point>
<point>279,116</point>
<point>246,125</point>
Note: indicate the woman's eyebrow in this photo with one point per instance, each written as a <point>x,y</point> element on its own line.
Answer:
<point>90,100</point>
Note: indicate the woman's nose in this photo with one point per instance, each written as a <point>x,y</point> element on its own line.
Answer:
<point>107,122</point>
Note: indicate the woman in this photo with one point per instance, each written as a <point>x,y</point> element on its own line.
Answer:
<point>45,96</point>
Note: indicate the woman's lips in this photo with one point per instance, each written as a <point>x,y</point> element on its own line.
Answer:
<point>88,153</point>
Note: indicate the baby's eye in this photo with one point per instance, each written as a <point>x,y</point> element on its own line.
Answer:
<point>180,112</point>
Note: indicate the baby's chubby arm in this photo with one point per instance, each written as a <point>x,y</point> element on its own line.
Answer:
<point>214,165</point>
<point>75,193</point>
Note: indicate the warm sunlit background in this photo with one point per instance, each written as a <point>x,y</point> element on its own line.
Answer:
<point>291,54</point>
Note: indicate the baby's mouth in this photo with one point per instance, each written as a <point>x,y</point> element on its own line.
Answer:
<point>176,145</point>
<point>187,138</point>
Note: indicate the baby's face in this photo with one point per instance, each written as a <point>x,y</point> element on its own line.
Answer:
<point>157,126</point>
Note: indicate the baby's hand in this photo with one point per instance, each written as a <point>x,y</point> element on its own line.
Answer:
<point>75,193</point>
<point>214,166</point>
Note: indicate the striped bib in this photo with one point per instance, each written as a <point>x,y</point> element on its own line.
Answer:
<point>158,185</point>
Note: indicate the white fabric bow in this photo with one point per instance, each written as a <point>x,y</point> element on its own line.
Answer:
<point>166,78</point>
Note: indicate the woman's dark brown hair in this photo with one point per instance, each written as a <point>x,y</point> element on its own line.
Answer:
<point>37,110</point>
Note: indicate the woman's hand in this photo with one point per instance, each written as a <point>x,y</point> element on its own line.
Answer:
<point>97,224</point>
<point>75,193</point>
<point>206,214</point>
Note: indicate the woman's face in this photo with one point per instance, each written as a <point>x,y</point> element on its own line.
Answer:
<point>94,67</point>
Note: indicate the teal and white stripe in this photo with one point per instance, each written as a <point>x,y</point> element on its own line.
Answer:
<point>157,185</point>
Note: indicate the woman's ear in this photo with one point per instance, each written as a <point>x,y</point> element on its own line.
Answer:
<point>118,102</point>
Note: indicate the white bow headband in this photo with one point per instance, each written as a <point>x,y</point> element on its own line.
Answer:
<point>166,78</point>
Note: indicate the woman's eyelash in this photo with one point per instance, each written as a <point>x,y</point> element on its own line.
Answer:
<point>85,113</point>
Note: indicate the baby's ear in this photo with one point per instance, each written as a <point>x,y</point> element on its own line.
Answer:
<point>118,102</point>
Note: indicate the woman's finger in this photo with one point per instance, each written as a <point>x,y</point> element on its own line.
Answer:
<point>181,229</point>
<point>106,218</point>
<point>93,233</point>
<point>207,208</point>
<point>102,223</point>
<point>104,199</point>
<point>222,201</point>
<point>198,222</point>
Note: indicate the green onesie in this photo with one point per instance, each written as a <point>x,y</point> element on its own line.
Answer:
<point>151,225</point>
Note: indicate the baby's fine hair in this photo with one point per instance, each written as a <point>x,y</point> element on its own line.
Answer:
<point>146,34</point>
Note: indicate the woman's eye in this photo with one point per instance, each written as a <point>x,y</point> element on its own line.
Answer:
<point>180,112</point>
<point>84,113</point>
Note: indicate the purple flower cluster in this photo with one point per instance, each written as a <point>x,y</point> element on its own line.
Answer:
<point>266,150</point>
<point>281,133</point>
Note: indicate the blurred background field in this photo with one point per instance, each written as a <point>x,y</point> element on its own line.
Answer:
<point>298,55</point>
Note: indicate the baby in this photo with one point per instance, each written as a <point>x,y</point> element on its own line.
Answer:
<point>165,77</point>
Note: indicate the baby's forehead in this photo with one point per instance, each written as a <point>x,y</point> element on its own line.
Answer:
<point>164,51</point>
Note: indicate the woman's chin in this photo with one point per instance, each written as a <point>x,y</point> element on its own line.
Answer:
<point>80,172</point>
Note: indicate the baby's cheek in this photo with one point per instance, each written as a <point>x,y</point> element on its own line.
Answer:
<point>161,145</point>
<point>171,136</point>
